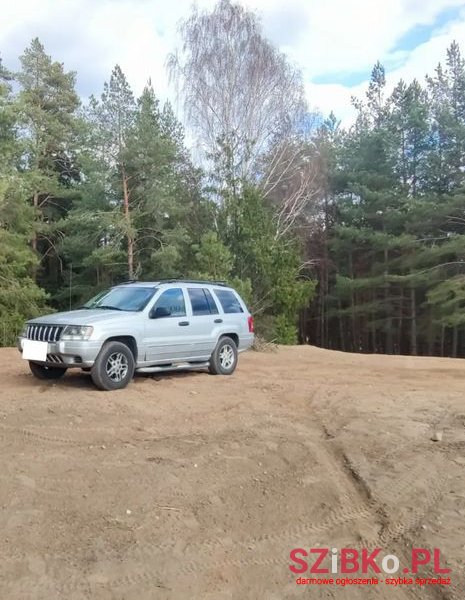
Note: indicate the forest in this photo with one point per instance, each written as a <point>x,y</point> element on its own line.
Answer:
<point>346,237</point>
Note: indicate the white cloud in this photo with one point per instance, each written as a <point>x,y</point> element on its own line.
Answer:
<point>417,64</point>
<point>425,57</point>
<point>325,38</point>
<point>340,35</point>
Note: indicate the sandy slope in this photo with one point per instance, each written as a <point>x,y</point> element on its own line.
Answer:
<point>194,486</point>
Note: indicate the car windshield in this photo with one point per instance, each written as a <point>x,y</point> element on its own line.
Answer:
<point>122,298</point>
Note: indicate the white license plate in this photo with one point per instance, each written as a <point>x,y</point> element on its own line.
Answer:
<point>33,350</point>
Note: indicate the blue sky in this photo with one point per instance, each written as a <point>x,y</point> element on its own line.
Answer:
<point>413,38</point>
<point>334,42</point>
<point>420,34</point>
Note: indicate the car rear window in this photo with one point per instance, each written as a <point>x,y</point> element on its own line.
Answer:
<point>199,301</point>
<point>211,303</point>
<point>229,301</point>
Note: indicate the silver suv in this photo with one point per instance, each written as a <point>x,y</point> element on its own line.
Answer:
<point>144,327</point>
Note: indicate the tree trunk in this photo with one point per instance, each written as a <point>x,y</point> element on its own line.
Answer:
<point>35,202</point>
<point>374,349</point>
<point>413,323</point>
<point>389,336</point>
<point>341,329</point>
<point>321,304</point>
<point>34,239</point>
<point>325,272</point>
<point>455,335</point>
<point>127,216</point>
<point>431,338</point>
<point>400,326</point>
<point>352,302</point>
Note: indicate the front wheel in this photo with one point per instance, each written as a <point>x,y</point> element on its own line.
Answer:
<point>114,367</point>
<point>223,361</point>
<point>43,372</point>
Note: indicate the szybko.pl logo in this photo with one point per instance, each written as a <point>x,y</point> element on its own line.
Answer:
<point>348,561</point>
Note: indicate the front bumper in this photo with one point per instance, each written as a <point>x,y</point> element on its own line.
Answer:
<point>71,353</point>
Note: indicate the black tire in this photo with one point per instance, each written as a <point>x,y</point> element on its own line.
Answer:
<point>224,353</point>
<point>117,357</point>
<point>43,372</point>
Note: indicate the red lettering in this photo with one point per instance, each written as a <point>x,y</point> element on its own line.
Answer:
<point>416,553</point>
<point>323,552</point>
<point>368,560</point>
<point>349,556</point>
<point>437,561</point>
<point>303,564</point>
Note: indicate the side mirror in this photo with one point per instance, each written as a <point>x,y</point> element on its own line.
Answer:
<point>160,312</point>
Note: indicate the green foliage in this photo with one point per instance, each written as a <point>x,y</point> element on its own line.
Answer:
<point>396,242</point>
<point>448,301</point>
<point>214,261</point>
<point>46,109</point>
<point>20,297</point>
<point>284,330</point>
<point>271,263</point>
<point>212,258</point>
<point>91,196</point>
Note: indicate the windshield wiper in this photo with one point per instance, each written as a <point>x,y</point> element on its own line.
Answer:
<point>105,307</point>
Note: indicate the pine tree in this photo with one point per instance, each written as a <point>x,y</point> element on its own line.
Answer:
<point>47,105</point>
<point>166,209</point>
<point>155,159</point>
<point>396,239</point>
<point>20,298</point>
<point>111,118</point>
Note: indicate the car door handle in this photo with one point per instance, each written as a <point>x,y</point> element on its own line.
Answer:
<point>183,323</point>
<point>218,321</point>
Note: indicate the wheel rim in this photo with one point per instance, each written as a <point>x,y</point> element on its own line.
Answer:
<point>226,356</point>
<point>117,366</point>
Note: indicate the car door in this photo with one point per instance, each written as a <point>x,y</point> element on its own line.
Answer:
<point>234,316</point>
<point>203,322</point>
<point>167,329</point>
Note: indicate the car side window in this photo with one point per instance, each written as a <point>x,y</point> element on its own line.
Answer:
<point>199,301</point>
<point>229,302</point>
<point>173,300</point>
<point>211,303</point>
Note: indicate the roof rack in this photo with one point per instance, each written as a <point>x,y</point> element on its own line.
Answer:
<point>129,281</point>
<point>201,281</point>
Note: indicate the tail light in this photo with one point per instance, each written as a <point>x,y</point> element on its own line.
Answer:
<point>250,323</point>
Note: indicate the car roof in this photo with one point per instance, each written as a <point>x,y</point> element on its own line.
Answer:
<point>163,282</point>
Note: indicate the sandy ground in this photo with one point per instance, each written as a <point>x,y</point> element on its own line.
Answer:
<point>195,486</point>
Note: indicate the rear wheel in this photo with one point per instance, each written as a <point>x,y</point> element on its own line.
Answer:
<point>44,372</point>
<point>114,367</point>
<point>223,360</point>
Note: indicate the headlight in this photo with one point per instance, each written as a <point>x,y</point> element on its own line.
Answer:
<point>76,332</point>
<point>24,331</point>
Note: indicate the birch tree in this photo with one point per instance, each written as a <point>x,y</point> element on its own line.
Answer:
<point>237,89</point>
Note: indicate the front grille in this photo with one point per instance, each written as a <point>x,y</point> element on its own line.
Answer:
<point>44,333</point>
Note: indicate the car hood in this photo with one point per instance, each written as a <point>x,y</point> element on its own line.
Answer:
<point>84,317</point>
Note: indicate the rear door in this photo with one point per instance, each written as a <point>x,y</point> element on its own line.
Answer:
<point>167,338</point>
<point>204,322</point>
